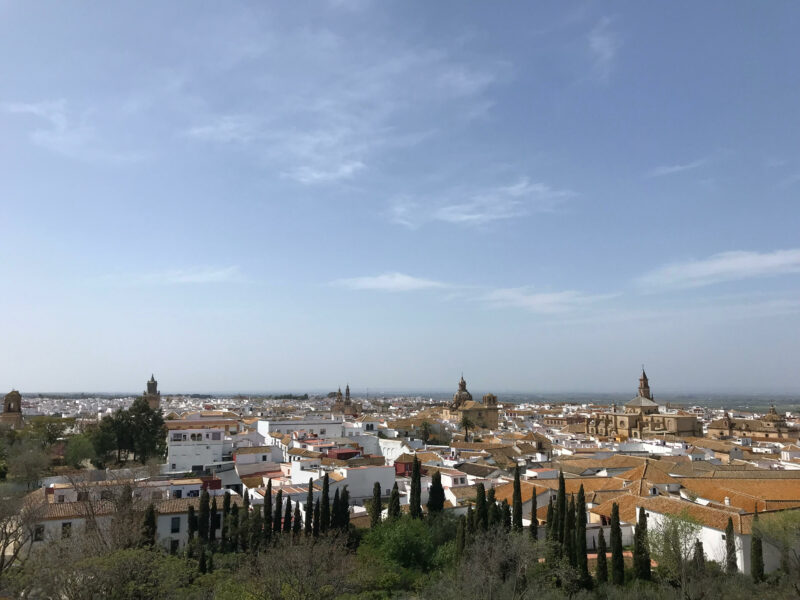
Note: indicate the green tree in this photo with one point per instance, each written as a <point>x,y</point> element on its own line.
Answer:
<point>756,552</point>
<point>297,522</point>
<point>436,494</point>
<point>617,561</point>
<point>461,537</point>
<point>580,540</point>
<point>243,541</point>
<point>149,526</point>
<point>233,529</point>
<point>415,496</point>
<point>505,510</point>
<point>256,530</point>
<point>79,449</point>
<point>267,527</point>
<point>699,558</point>
<point>517,501</point>
<point>27,462</point>
<point>481,510</point>
<point>276,516</point>
<point>213,519</point>
<point>560,513</point>
<point>309,507</point>
<point>425,431</point>
<point>203,514</point>
<point>641,551</point>
<point>192,522</point>
<point>325,506</point>
<point>569,534</point>
<point>550,525</point>
<point>315,530</point>
<point>344,507</point>
<point>494,514</point>
<point>336,512</point>
<point>149,434</point>
<point>202,564</point>
<point>287,516</point>
<point>466,424</point>
<point>376,506</point>
<point>394,503</point>
<point>731,567</point>
<point>226,511</point>
<point>601,574</point>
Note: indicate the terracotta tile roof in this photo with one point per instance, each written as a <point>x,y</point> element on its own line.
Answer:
<point>253,450</point>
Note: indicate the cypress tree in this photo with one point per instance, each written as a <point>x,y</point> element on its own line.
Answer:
<point>495,515</point>
<point>481,510</point>
<point>534,527</point>
<point>192,522</point>
<point>569,534</point>
<point>202,519</point>
<point>756,552</point>
<point>436,495</point>
<point>309,507</point>
<point>344,507</point>
<point>376,508</point>
<point>244,527</point>
<point>550,526</point>
<point>297,523</point>
<point>617,561</point>
<point>699,558</point>
<point>317,517</point>
<point>461,537</point>
<point>256,533</point>
<point>517,502</point>
<point>469,525</point>
<point>210,563</point>
<point>731,567</point>
<point>226,511</point>
<point>394,503</point>
<point>212,521</point>
<point>415,506</point>
<point>580,540</point>
<point>506,512</point>
<point>276,514</point>
<point>233,529</point>
<point>267,529</point>
<point>560,511</point>
<point>336,511</point>
<point>641,551</point>
<point>325,507</point>
<point>149,526</point>
<point>201,565</point>
<point>287,516</point>
<point>602,560</point>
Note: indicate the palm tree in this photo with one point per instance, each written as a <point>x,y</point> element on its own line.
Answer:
<point>466,424</point>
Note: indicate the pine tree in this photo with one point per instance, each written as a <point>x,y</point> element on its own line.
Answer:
<point>481,510</point>
<point>336,511</point>
<point>192,522</point>
<point>309,507</point>
<point>317,516</point>
<point>256,533</point>
<point>287,516</point>
<point>267,528</point>
<point>376,508</point>
<point>276,514</point>
<point>297,522</point>
<point>436,494</point>
<point>505,509</point>
<point>202,519</point>
<point>226,511</point>
<point>617,561</point>
<point>461,537</point>
<point>233,529</point>
<point>415,506</point>
<point>602,560</point>
<point>325,507</point>
<point>641,552</point>
<point>394,503</point>
<point>699,558</point>
<point>517,502</point>
<point>149,527</point>
<point>731,567</point>
<point>534,526</point>
<point>580,540</point>
<point>569,534</point>
<point>495,515</point>
<point>756,552</point>
<point>213,519</point>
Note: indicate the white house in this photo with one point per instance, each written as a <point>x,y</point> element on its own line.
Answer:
<point>319,427</point>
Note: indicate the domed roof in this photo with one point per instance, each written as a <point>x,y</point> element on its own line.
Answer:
<point>462,395</point>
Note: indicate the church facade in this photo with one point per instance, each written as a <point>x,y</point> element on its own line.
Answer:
<point>345,405</point>
<point>482,414</point>
<point>640,418</point>
<point>12,410</point>
<point>771,426</point>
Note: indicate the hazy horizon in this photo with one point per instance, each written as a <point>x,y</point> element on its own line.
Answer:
<point>251,195</point>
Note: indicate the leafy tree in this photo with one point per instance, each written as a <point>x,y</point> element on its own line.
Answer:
<point>149,435</point>
<point>517,502</point>
<point>756,552</point>
<point>481,510</point>
<point>309,507</point>
<point>617,561</point>
<point>436,495</point>
<point>27,463</point>
<point>202,519</point>
<point>376,506</point>
<point>601,573</point>
<point>461,537</point>
<point>394,503</point>
<point>671,543</point>
<point>79,449</point>
<point>641,552</point>
<point>406,543</point>
<point>325,507</point>
<point>415,507</point>
<point>731,567</point>
<point>699,558</point>
<point>287,516</point>
<point>149,526</point>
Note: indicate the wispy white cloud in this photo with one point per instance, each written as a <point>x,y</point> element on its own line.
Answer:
<point>390,282</point>
<point>604,45</point>
<point>725,266</point>
<point>60,131</point>
<point>188,276</point>
<point>227,129</point>
<point>483,206</point>
<point>542,302</point>
<point>663,170</point>
<point>345,170</point>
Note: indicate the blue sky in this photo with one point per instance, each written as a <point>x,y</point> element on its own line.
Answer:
<point>291,196</point>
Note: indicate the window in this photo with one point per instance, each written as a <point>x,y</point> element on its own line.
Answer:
<point>66,529</point>
<point>176,437</point>
<point>193,494</point>
<point>174,466</point>
<point>723,536</point>
<point>322,432</point>
<point>177,494</point>
<point>38,533</point>
<point>175,525</point>
<point>216,436</point>
<point>61,498</point>
<point>263,458</point>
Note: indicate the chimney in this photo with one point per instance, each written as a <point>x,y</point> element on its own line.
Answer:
<point>727,501</point>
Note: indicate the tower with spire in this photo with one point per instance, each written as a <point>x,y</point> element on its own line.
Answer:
<point>644,386</point>
<point>152,395</point>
